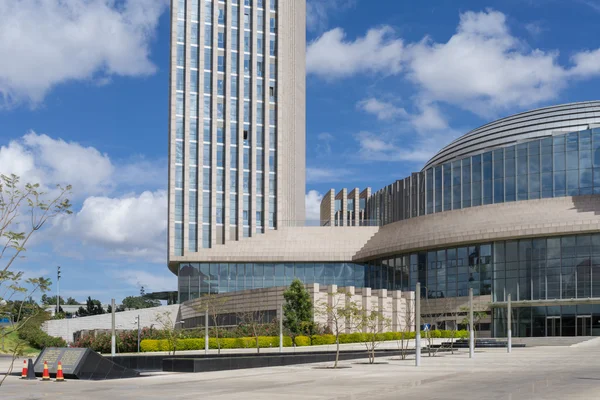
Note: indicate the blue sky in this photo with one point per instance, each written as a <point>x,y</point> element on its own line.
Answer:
<point>387,86</point>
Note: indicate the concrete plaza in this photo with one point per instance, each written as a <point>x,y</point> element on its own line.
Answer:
<point>528,373</point>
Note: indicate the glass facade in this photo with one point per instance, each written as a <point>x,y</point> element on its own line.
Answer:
<point>225,84</point>
<point>552,268</point>
<point>557,166</point>
<point>196,279</point>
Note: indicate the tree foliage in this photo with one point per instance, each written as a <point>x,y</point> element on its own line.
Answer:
<point>51,301</point>
<point>92,307</point>
<point>341,313</point>
<point>24,210</point>
<point>139,302</point>
<point>298,310</point>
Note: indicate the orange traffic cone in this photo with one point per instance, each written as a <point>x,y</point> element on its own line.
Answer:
<point>46,374</point>
<point>24,372</point>
<point>59,374</point>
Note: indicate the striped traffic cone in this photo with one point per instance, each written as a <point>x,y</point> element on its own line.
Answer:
<point>59,374</point>
<point>24,372</point>
<point>46,374</point>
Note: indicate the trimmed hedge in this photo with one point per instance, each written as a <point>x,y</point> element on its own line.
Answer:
<point>152,345</point>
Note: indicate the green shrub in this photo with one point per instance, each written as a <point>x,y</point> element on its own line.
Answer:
<point>323,339</point>
<point>39,339</point>
<point>302,341</point>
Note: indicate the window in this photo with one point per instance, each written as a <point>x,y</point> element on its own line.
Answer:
<point>234,88</point>
<point>247,44</point>
<point>235,21</point>
<point>234,41</point>
<point>181,31</point>
<point>193,105</point>
<point>193,57</point>
<point>180,85</point>
<point>221,16</point>
<point>272,93</point>
<point>221,64</point>
<point>194,37</point>
<point>273,47</point>
<point>207,83</point>
<point>221,40</point>
<point>273,24</point>
<point>207,59</point>
<point>208,12</point>
<point>194,81</point>
<point>234,64</point>
<point>246,20</point>
<point>260,24</point>
<point>208,35</point>
<point>221,87</point>
<point>181,55</point>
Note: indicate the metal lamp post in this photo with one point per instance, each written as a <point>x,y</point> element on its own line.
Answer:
<point>57,290</point>
<point>418,325</point>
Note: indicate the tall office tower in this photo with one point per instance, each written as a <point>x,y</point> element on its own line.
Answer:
<point>236,121</point>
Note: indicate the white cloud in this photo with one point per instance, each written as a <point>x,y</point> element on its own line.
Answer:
<point>38,158</point>
<point>313,205</point>
<point>133,226</point>
<point>332,56</point>
<point>323,175</point>
<point>44,43</point>
<point>393,147</point>
<point>129,225</point>
<point>383,110</point>
<point>586,64</point>
<point>317,12</point>
<point>482,67</point>
<point>324,143</point>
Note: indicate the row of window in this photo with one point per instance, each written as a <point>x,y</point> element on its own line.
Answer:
<point>557,166</point>
<point>529,269</point>
<point>208,9</point>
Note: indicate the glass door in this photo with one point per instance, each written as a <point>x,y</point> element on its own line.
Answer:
<point>584,325</point>
<point>553,326</point>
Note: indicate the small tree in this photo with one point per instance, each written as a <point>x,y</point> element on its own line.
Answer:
<point>24,210</point>
<point>168,327</point>
<point>373,323</point>
<point>216,307</point>
<point>341,312</point>
<point>298,310</point>
<point>405,334</point>
<point>252,321</point>
<point>478,315</point>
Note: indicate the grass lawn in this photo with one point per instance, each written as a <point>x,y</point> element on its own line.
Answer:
<point>12,340</point>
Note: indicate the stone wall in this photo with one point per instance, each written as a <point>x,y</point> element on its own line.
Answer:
<point>125,320</point>
<point>395,305</point>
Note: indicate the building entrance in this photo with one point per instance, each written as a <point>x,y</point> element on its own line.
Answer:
<point>553,327</point>
<point>584,325</point>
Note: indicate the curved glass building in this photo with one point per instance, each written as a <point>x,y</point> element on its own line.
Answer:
<point>512,207</point>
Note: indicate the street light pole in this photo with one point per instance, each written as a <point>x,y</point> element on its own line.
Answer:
<point>471,331</point>
<point>138,322</point>
<point>57,290</point>
<point>509,333</point>
<point>281,328</point>
<point>113,337</point>
<point>418,325</point>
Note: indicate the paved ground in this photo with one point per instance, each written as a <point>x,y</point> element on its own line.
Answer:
<point>529,373</point>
